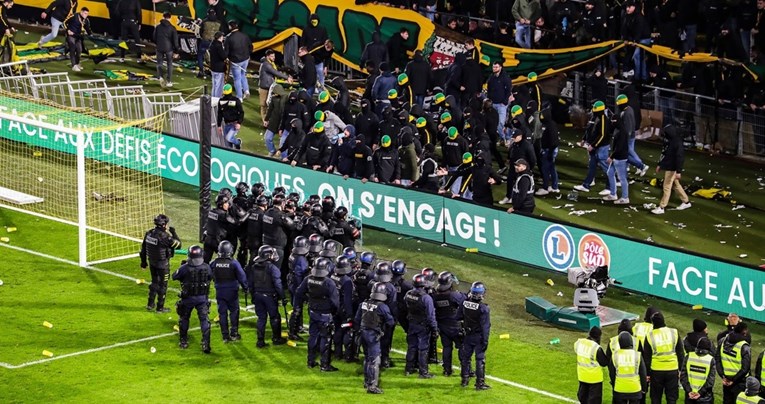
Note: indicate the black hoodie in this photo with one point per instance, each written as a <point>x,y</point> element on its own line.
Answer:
<point>313,36</point>
<point>294,140</point>
<point>418,71</point>
<point>368,124</point>
<point>625,342</point>
<point>294,109</point>
<point>166,37</point>
<point>362,159</point>
<point>375,51</point>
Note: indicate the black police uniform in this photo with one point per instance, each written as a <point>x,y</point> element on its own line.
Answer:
<point>228,275</point>
<point>372,316</point>
<point>342,336</point>
<point>276,227</point>
<point>266,287</point>
<point>323,302</point>
<point>476,322</point>
<point>255,230</point>
<point>157,248</point>
<point>403,286</point>
<point>422,323</point>
<point>298,266</point>
<point>386,342</point>
<point>195,287</point>
<point>343,232</point>
<point>447,303</point>
<point>219,223</point>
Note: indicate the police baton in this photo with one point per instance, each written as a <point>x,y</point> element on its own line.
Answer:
<point>245,299</point>
<point>284,307</point>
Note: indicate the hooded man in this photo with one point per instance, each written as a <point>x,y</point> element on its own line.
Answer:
<point>375,51</point>
<point>313,33</point>
<point>408,155</point>
<point>345,150</point>
<point>590,360</point>
<point>519,149</point>
<point>697,376</point>
<point>419,72</point>
<point>292,144</point>
<point>382,85</point>
<point>386,162</point>
<point>367,122</point>
<point>692,338</point>
<point>363,168</point>
<point>613,344</point>
<point>428,169</point>
<point>627,372</point>
<point>750,395</point>
<point>661,353</point>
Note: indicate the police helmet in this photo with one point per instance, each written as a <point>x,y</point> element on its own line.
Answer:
<point>161,220</point>
<point>328,203</point>
<point>342,265</point>
<point>430,277</point>
<point>196,255</point>
<point>315,243</point>
<point>221,200</point>
<point>300,246</point>
<point>241,188</point>
<point>368,257</point>
<point>378,292</point>
<point>314,199</point>
<point>268,253</point>
<point>257,189</point>
<point>418,281</point>
<point>398,267</point>
<point>316,210</point>
<point>330,253</point>
<point>321,268</point>
<point>262,200</point>
<point>225,249</point>
<point>383,272</point>
<point>332,245</point>
<point>477,291</point>
<point>349,252</point>
<point>226,191</point>
<point>294,196</point>
<point>290,205</point>
<point>279,191</point>
<point>278,200</point>
<point>341,212</point>
<point>445,281</point>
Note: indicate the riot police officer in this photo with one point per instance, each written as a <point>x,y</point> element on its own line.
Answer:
<point>384,275</point>
<point>372,316</point>
<point>323,302</point>
<point>342,230</point>
<point>474,314</point>
<point>158,247</point>
<point>422,323</point>
<point>430,287</point>
<point>298,265</point>
<point>313,223</point>
<point>344,315</point>
<point>255,225</point>
<point>277,225</point>
<point>219,223</point>
<point>403,286</point>
<point>195,276</point>
<point>447,301</point>
<point>243,204</point>
<point>315,245</point>
<point>328,209</point>
<point>228,275</point>
<point>364,275</point>
<point>266,287</point>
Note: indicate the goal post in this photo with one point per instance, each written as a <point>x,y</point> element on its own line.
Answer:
<point>85,171</point>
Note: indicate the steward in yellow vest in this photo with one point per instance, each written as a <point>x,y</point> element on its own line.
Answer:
<point>590,359</point>
<point>627,372</point>
<point>733,359</point>
<point>750,395</point>
<point>697,375</point>
<point>642,328</point>
<point>662,353</point>
<point>613,343</point>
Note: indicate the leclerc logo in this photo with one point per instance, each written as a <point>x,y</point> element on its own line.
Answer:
<point>593,251</point>
<point>558,247</point>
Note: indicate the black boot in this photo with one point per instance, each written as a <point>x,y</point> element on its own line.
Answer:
<point>465,381</point>
<point>183,344</point>
<point>206,347</point>
<point>480,376</point>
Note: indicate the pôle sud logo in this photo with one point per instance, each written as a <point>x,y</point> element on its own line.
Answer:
<point>593,251</point>
<point>558,247</point>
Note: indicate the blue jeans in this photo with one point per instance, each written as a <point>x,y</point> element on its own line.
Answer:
<point>502,112</point>
<point>217,84</point>
<point>270,141</point>
<point>638,58</point>
<point>282,139</point>
<point>430,12</point>
<point>598,157</point>
<point>633,157</point>
<point>320,73</point>
<point>549,173</point>
<point>202,47</point>
<point>689,44</point>
<point>523,35</point>
<point>55,25</point>
<point>419,100</point>
<point>310,91</point>
<point>229,133</point>
<point>240,79</point>
<point>666,106</point>
<point>618,167</point>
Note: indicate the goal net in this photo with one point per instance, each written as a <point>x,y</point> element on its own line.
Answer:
<point>82,169</point>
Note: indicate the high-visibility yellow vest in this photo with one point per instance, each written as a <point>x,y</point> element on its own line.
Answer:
<point>663,341</point>
<point>614,344</point>
<point>698,368</point>
<point>627,365</point>
<point>641,330</point>
<point>731,359</point>
<point>744,399</point>
<point>587,368</point>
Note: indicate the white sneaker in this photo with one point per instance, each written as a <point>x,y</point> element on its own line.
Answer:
<point>644,170</point>
<point>658,211</point>
<point>604,192</point>
<point>553,190</point>
<point>541,192</point>
<point>581,188</point>
<point>169,84</point>
<point>246,95</point>
<point>684,206</point>
<point>610,198</point>
<point>504,201</point>
<point>162,82</point>
<point>592,184</point>
<point>76,68</point>
<point>622,201</point>
<point>618,184</point>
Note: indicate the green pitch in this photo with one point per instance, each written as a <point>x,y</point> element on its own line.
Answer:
<point>102,336</point>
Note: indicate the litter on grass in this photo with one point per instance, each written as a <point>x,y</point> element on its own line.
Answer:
<point>723,226</point>
<point>560,294</point>
<point>737,207</point>
<point>47,324</point>
<point>504,336</point>
<point>723,241</point>
<point>1,282</point>
<point>742,256</point>
<point>153,350</point>
<point>679,225</point>
<point>550,282</point>
<point>47,353</point>
<point>582,212</point>
<point>5,239</point>
<point>176,329</point>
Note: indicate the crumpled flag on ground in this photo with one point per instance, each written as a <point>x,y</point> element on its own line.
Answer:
<point>712,193</point>
<point>123,75</point>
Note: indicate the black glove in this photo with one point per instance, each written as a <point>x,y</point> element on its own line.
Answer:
<point>144,265</point>
<point>284,301</point>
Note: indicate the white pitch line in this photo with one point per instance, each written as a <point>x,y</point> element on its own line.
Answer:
<point>9,366</point>
<point>513,384</point>
<point>103,348</point>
